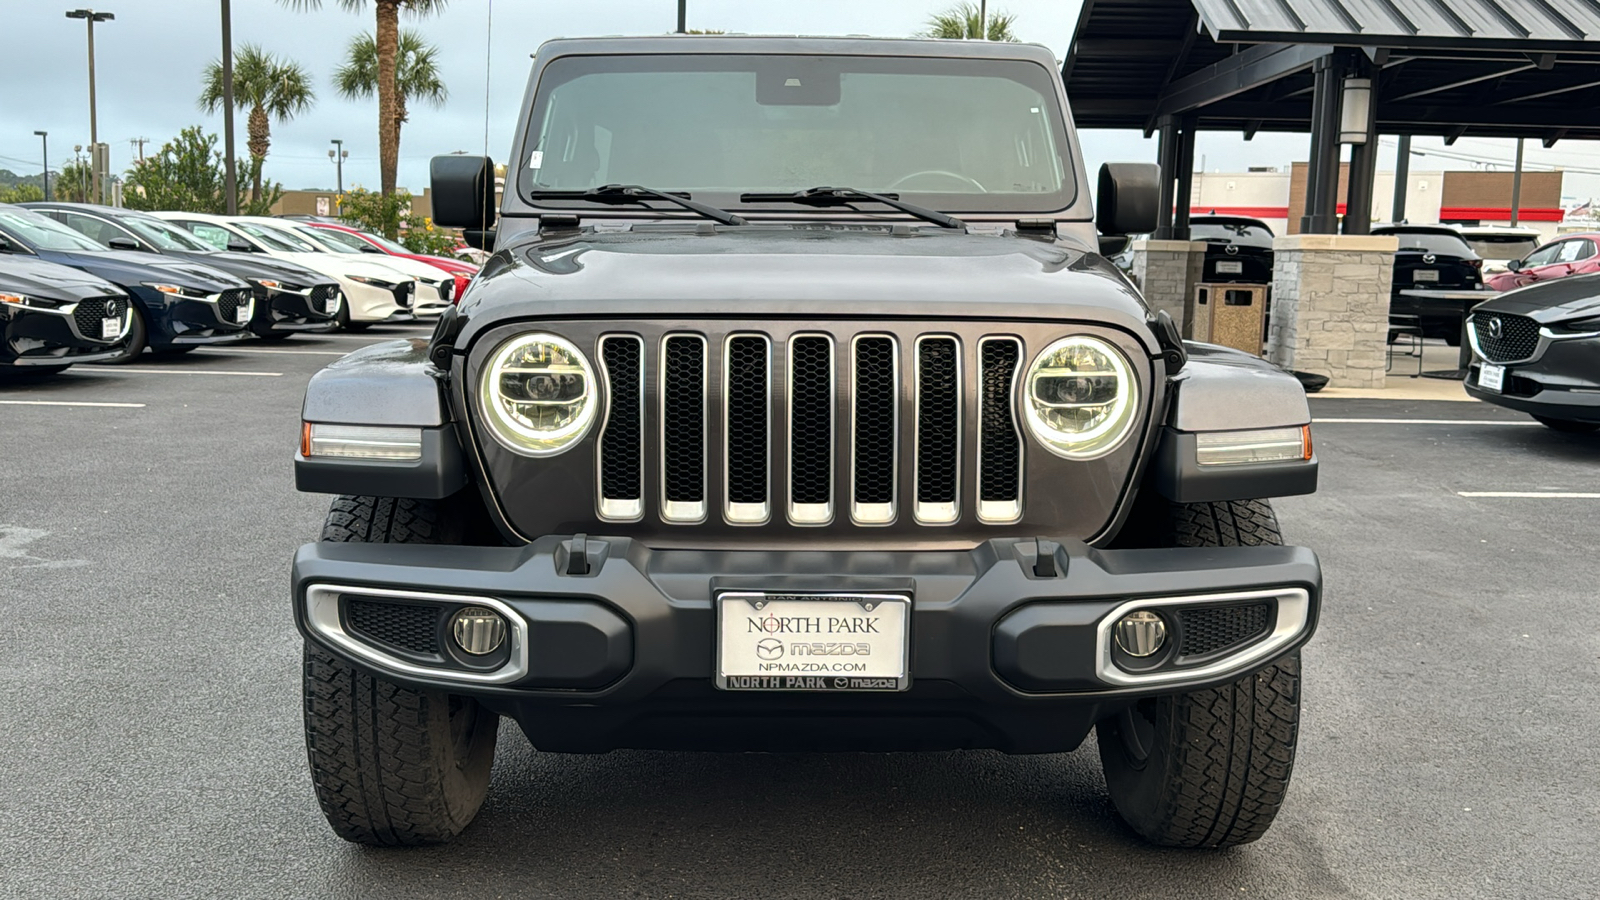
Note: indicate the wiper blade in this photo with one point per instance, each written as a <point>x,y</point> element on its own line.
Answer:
<point>635,193</point>
<point>844,196</point>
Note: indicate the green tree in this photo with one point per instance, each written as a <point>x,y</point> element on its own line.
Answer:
<point>187,175</point>
<point>962,22</point>
<point>73,184</point>
<point>21,193</point>
<point>387,43</point>
<point>272,87</point>
<point>416,76</point>
<point>370,211</point>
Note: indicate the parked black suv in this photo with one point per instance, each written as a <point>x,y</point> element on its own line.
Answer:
<point>1537,350</point>
<point>1238,249</point>
<point>290,299</point>
<point>796,409</point>
<point>1432,257</point>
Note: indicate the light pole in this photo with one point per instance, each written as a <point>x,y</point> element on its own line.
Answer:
<point>83,185</point>
<point>683,16</point>
<point>230,176</point>
<point>90,17</point>
<point>44,137</point>
<point>339,154</point>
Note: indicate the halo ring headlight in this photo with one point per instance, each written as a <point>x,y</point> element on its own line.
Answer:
<point>538,394</point>
<point>1080,397</point>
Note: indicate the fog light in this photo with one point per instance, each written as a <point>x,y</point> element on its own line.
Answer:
<point>1141,634</point>
<point>478,631</point>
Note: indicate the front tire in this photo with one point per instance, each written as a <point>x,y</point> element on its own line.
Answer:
<point>1208,768</point>
<point>393,765</point>
<point>1568,426</point>
<point>346,321</point>
<point>138,339</point>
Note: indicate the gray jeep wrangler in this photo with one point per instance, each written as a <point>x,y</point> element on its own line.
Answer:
<point>798,409</point>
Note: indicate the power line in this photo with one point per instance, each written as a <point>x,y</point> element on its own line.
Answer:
<point>1467,157</point>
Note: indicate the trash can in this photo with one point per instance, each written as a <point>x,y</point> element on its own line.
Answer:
<point>1233,315</point>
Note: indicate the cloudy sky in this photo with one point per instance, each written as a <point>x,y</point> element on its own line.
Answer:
<point>150,58</point>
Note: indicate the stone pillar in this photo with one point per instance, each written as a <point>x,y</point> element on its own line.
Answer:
<point>1330,306</point>
<point>1166,272</point>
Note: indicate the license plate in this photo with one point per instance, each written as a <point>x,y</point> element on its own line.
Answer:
<point>1226,267</point>
<point>1492,378</point>
<point>110,328</point>
<point>243,314</point>
<point>1425,275</point>
<point>770,641</point>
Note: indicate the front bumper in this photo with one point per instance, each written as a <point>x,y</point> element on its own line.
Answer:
<point>623,656</point>
<point>1562,381</point>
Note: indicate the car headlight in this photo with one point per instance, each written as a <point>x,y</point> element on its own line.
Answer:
<point>1081,397</point>
<point>175,290</point>
<point>538,394</point>
<point>33,302</point>
<point>375,282</point>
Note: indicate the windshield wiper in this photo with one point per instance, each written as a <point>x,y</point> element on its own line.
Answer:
<point>844,196</point>
<point>635,193</point>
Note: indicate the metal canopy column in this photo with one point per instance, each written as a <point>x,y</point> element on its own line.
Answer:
<point>1402,176</point>
<point>1185,171</point>
<point>1322,170</point>
<point>1167,161</point>
<point>1363,166</point>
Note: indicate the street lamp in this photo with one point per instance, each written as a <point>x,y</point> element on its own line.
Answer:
<point>90,17</point>
<point>44,136</point>
<point>339,154</point>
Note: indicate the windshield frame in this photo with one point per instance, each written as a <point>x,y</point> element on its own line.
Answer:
<point>86,244</point>
<point>272,236</point>
<point>556,69</point>
<point>158,233</point>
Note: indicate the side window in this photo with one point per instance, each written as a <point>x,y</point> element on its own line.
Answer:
<point>1585,249</point>
<point>1545,255</point>
<point>1571,251</point>
<point>211,234</point>
<point>96,230</point>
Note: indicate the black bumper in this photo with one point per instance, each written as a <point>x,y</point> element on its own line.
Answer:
<point>1563,383</point>
<point>623,656</point>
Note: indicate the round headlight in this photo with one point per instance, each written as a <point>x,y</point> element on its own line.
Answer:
<point>1081,397</point>
<point>538,394</point>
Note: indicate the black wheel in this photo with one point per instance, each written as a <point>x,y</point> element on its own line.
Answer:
<point>346,322</point>
<point>1568,426</point>
<point>138,339</point>
<point>392,765</point>
<point>1208,768</point>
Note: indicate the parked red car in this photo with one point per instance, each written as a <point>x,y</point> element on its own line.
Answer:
<point>1571,254</point>
<point>372,243</point>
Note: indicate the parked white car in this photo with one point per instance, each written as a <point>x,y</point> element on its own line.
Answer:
<point>373,291</point>
<point>434,285</point>
<point>1500,244</point>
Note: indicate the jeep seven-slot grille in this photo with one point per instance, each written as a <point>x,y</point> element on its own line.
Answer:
<point>806,423</point>
<point>1517,340</point>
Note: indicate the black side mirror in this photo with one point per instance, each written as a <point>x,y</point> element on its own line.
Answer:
<point>1515,265</point>
<point>123,243</point>
<point>368,248</point>
<point>238,246</point>
<point>462,191</point>
<point>1112,244</point>
<point>481,238</point>
<point>1127,199</point>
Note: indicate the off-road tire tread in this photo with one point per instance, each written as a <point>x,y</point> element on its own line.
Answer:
<point>1229,523</point>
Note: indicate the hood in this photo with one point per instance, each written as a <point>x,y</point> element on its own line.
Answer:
<point>251,266</point>
<point>404,265</point>
<point>1576,297</point>
<point>50,281</point>
<point>801,272</point>
<point>126,267</point>
<point>340,265</point>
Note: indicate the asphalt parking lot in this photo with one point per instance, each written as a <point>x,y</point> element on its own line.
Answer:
<point>153,741</point>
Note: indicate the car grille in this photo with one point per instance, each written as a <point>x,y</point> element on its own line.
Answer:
<point>1207,630</point>
<point>229,302</point>
<point>776,407</point>
<point>403,626</point>
<point>321,298</point>
<point>403,294</point>
<point>1518,340</point>
<point>89,313</point>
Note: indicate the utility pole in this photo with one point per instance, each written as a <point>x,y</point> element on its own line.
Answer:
<point>90,17</point>
<point>683,16</point>
<point>231,176</point>
<point>338,154</point>
<point>1516,186</point>
<point>983,20</point>
<point>138,145</point>
<point>44,136</point>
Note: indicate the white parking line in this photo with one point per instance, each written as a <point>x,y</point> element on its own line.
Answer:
<point>290,352</point>
<point>110,371</point>
<point>1557,495</point>
<point>69,403</point>
<point>1417,422</point>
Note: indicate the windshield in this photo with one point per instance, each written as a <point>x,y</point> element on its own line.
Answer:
<point>1251,234</point>
<point>1432,242</point>
<point>337,241</point>
<point>164,236</point>
<point>44,233</point>
<point>952,134</point>
<point>277,239</point>
<point>1503,246</point>
<point>385,243</point>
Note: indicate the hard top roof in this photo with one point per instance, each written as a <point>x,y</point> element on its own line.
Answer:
<point>853,45</point>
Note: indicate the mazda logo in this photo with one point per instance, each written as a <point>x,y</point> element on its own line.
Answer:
<point>769,648</point>
<point>1429,258</point>
<point>111,309</point>
<point>1497,328</point>
<point>1232,249</point>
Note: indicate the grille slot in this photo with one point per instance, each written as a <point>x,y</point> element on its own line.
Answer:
<point>1210,629</point>
<point>622,436</point>
<point>999,443</point>
<point>1518,340</point>
<point>938,430</point>
<point>875,394</point>
<point>90,312</point>
<point>404,292</point>
<point>229,302</point>
<point>746,393</point>
<point>404,626</point>
<point>811,430</point>
<point>683,428</point>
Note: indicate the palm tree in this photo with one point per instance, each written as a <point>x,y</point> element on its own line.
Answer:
<point>416,75</point>
<point>273,88</point>
<point>387,52</point>
<point>962,22</point>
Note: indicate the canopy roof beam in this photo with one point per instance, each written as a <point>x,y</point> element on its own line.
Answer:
<point>1243,71</point>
